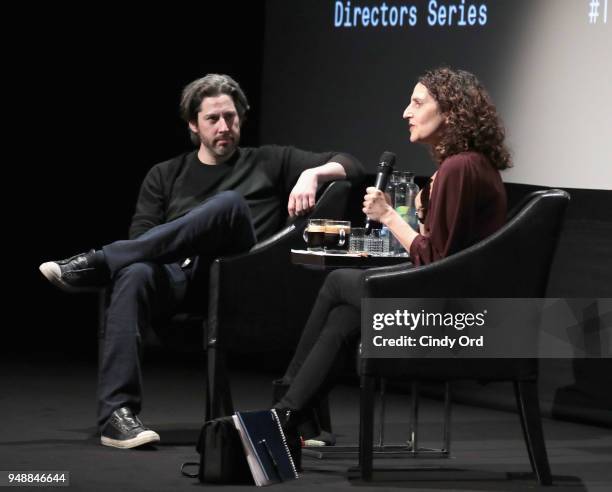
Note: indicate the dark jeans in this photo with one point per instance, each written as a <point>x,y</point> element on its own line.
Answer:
<point>328,340</point>
<point>148,284</point>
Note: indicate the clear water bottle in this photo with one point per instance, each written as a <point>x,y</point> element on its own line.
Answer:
<point>412,191</point>
<point>393,180</point>
<point>399,203</point>
<point>399,200</point>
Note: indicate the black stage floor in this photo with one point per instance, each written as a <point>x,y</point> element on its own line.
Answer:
<point>47,415</point>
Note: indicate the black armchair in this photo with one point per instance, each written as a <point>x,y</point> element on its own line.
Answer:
<point>512,263</point>
<point>259,301</point>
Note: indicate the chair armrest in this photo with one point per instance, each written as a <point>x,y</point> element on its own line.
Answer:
<point>389,281</point>
<point>331,204</point>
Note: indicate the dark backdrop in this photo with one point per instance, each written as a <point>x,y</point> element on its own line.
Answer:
<point>98,106</point>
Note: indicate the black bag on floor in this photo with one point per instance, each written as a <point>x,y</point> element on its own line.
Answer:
<point>222,456</point>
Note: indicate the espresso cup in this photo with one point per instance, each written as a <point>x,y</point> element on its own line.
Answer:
<point>314,235</point>
<point>337,236</point>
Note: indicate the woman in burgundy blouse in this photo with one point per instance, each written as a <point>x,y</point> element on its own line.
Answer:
<point>464,202</point>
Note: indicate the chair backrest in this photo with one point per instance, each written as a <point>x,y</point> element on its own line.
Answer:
<point>513,262</point>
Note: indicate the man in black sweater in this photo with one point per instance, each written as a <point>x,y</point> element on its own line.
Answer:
<point>218,200</point>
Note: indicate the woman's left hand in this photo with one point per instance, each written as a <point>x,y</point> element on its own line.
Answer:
<point>375,205</point>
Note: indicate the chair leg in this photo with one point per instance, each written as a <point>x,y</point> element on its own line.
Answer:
<point>447,418</point>
<point>413,429</point>
<point>526,393</point>
<point>381,425</point>
<point>366,427</point>
<point>414,417</point>
<point>218,392</point>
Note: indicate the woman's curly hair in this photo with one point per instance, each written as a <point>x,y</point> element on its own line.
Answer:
<point>471,120</point>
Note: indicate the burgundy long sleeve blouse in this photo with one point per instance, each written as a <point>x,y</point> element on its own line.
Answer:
<point>467,203</point>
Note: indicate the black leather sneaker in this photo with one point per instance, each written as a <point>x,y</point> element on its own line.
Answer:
<point>124,430</point>
<point>76,274</point>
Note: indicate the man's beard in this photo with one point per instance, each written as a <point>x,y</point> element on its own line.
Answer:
<point>222,150</point>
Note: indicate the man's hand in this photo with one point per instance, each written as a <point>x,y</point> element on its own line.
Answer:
<point>303,194</point>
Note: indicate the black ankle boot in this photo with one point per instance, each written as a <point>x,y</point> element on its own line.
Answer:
<point>289,420</point>
<point>308,421</point>
<point>279,388</point>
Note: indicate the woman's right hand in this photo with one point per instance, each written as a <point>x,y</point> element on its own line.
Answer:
<point>376,206</point>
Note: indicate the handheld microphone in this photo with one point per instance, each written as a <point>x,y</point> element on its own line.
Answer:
<point>385,168</point>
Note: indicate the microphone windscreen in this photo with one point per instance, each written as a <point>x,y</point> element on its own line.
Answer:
<point>387,159</point>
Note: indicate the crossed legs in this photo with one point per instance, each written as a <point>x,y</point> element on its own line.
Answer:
<point>145,284</point>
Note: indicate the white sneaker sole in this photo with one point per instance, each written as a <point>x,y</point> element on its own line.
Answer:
<point>314,443</point>
<point>145,437</point>
<point>52,272</point>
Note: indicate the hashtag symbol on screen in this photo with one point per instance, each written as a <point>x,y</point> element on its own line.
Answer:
<point>593,11</point>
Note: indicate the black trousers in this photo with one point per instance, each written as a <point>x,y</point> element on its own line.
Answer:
<point>148,285</point>
<point>328,341</point>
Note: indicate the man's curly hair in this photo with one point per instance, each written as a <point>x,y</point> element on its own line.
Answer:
<point>471,120</point>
